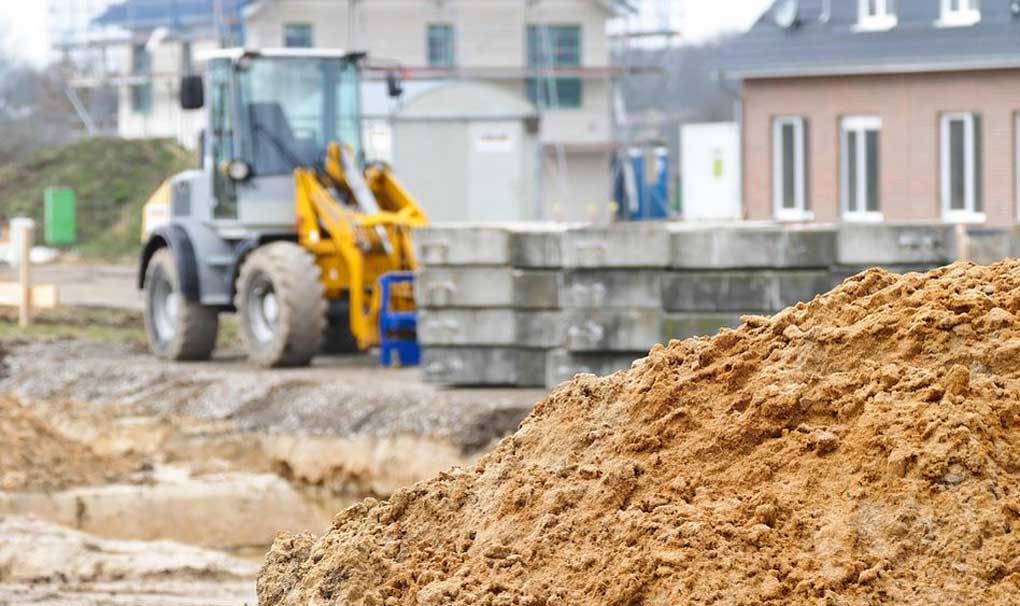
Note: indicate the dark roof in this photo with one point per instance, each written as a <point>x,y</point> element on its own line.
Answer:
<point>835,46</point>
<point>150,14</point>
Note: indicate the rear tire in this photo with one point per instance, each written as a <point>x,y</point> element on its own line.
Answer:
<point>177,329</point>
<point>281,305</point>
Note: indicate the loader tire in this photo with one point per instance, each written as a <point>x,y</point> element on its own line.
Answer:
<point>281,305</point>
<point>177,329</point>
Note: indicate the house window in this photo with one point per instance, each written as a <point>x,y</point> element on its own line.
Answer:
<point>789,168</point>
<point>960,12</point>
<point>141,93</point>
<point>961,167</point>
<point>297,35</point>
<point>551,47</point>
<point>876,14</point>
<point>860,168</point>
<point>439,41</point>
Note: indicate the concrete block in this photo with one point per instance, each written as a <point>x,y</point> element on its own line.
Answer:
<point>523,245</point>
<point>617,245</point>
<point>613,330</point>
<point>507,327</point>
<point>486,287</point>
<point>885,244</point>
<point>987,245</point>
<point>629,288</point>
<point>561,365</point>
<point>753,246</point>
<point>462,244</point>
<point>741,290</point>
<point>467,366</point>
<point>699,324</point>
<point>538,246</point>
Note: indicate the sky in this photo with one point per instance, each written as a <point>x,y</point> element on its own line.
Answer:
<point>705,18</point>
<point>23,23</point>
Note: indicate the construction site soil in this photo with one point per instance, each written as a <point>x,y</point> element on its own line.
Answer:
<point>33,457</point>
<point>110,457</point>
<point>862,448</point>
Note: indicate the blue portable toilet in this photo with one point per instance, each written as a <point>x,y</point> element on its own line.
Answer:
<point>650,166</point>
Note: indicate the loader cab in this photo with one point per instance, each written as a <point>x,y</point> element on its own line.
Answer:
<point>270,112</point>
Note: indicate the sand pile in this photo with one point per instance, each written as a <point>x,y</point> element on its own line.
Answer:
<point>34,457</point>
<point>862,448</point>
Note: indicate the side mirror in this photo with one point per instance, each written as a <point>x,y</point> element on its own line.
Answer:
<point>394,87</point>
<point>192,92</point>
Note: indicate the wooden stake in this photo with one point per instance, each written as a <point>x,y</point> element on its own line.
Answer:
<point>25,274</point>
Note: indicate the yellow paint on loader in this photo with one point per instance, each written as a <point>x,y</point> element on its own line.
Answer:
<point>156,211</point>
<point>355,248</point>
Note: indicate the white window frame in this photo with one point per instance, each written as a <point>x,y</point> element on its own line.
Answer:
<point>962,16</point>
<point>800,212</point>
<point>884,17</point>
<point>968,214</point>
<point>860,125</point>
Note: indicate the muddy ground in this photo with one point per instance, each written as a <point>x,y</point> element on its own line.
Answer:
<point>229,455</point>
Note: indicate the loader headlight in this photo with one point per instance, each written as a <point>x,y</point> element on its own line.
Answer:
<point>238,170</point>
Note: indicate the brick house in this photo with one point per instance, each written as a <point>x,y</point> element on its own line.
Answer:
<point>881,110</point>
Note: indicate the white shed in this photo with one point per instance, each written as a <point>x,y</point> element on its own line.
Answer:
<point>710,171</point>
<point>468,151</point>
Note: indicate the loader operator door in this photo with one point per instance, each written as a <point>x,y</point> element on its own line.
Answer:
<point>221,139</point>
<point>271,114</point>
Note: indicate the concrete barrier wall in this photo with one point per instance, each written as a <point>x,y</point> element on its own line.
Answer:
<point>531,305</point>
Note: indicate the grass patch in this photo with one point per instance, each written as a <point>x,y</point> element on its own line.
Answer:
<point>89,323</point>
<point>102,324</point>
<point>112,179</point>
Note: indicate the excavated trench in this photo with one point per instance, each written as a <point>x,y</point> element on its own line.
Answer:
<point>219,455</point>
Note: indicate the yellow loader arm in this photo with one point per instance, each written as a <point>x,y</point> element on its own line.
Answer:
<point>359,228</point>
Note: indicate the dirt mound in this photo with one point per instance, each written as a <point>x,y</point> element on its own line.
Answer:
<point>33,457</point>
<point>862,448</point>
<point>112,178</point>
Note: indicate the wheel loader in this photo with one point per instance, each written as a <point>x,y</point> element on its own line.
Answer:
<point>284,222</point>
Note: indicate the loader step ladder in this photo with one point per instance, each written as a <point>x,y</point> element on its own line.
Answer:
<point>398,330</point>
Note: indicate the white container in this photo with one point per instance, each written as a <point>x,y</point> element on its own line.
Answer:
<point>710,171</point>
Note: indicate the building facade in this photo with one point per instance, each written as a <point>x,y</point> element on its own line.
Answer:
<point>881,111</point>
<point>552,54</point>
<point>161,42</point>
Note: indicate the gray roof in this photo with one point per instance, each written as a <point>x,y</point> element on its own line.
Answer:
<point>834,46</point>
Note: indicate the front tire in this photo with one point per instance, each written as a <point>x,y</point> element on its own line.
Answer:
<point>281,305</point>
<point>177,329</point>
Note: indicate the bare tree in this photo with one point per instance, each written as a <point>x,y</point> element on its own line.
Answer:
<point>34,111</point>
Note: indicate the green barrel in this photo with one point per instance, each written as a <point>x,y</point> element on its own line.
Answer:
<point>60,222</point>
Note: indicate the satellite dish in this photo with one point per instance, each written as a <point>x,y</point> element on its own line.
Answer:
<point>785,14</point>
